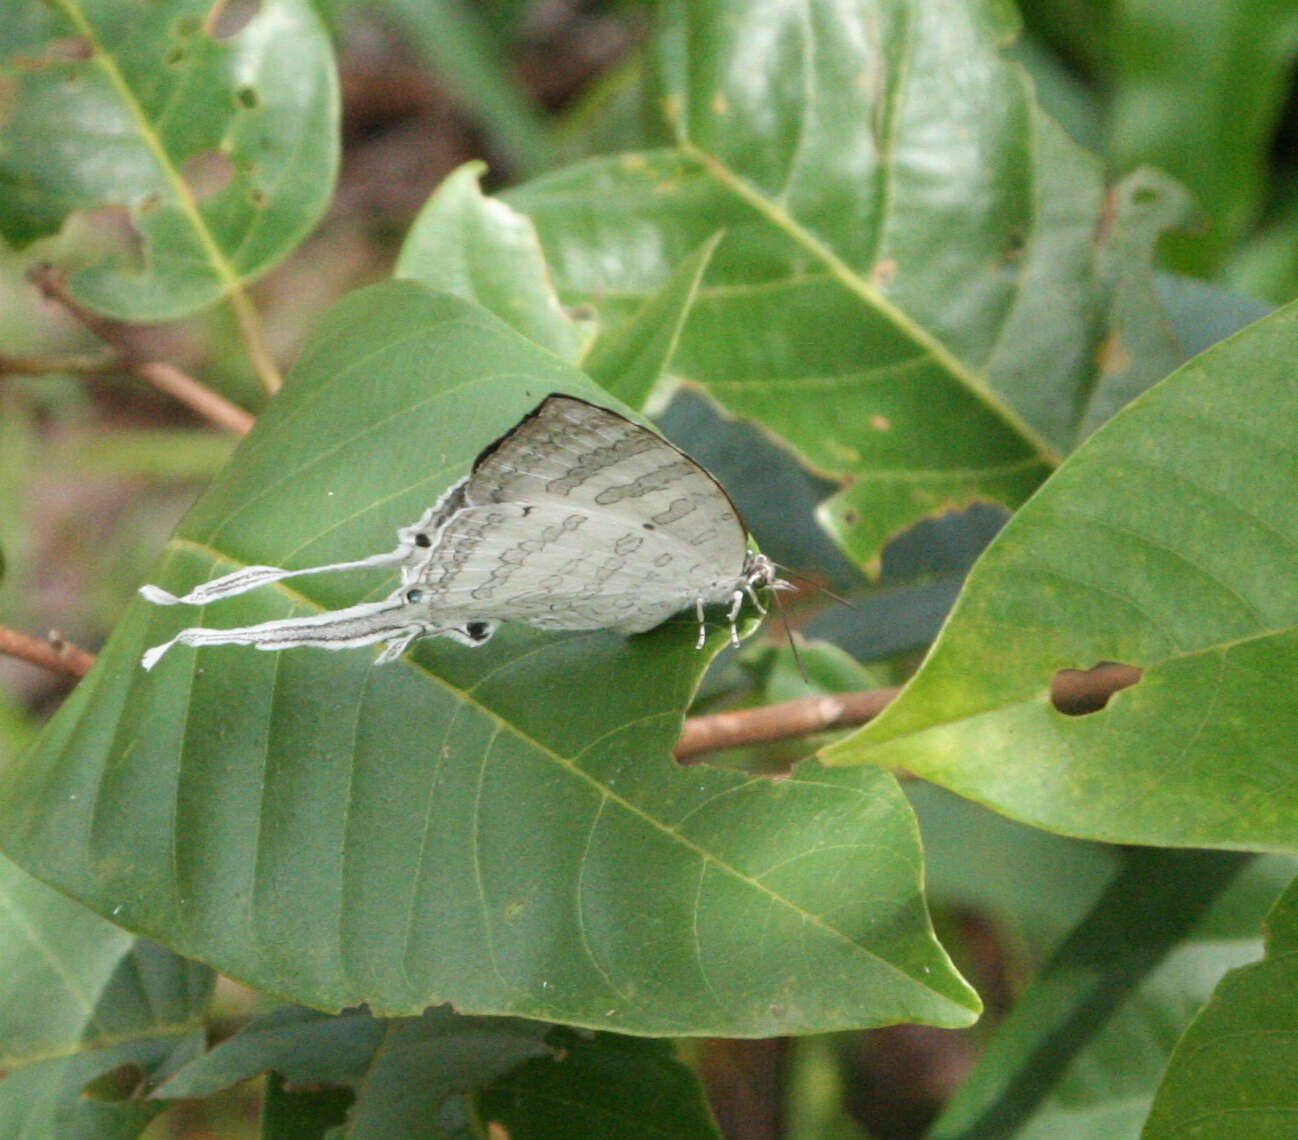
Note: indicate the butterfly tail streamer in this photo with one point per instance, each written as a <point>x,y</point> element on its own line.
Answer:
<point>250,577</point>
<point>389,620</point>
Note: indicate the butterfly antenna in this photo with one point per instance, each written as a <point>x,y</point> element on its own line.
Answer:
<point>788,632</point>
<point>816,586</point>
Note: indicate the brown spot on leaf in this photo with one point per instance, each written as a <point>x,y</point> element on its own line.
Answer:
<point>880,423</point>
<point>883,272</point>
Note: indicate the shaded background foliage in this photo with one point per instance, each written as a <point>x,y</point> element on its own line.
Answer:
<point>96,473</point>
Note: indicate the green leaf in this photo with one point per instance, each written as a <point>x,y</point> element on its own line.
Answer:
<point>1198,92</point>
<point>480,249</point>
<point>502,827</point>
<point>911,290</point>
<point>1231,1075</point>
<point>84,1002</point>
<point>629,360</point>
<point>1080,1055</point>
<point>209,153</point>
<point>403,1070</point>
<point>601,1087</point>
<point>1166,543</point>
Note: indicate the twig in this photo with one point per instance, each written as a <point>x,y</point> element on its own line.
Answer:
<point>90,364</point>
<point>53,653</point>
<point>787,721</point>
<point>170,379</point>
<point>1074,692</point>
<point>165,377</point>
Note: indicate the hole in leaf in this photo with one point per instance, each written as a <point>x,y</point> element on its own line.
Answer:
<point>104,233</point>
<point>247,98</point>
<point>207,173</point>
<point>1078,692</point>
<point>116,1085</point>
<point>227,18</point>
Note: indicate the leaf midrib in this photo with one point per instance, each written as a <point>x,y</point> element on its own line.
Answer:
<point>185,200</point>
<point>774,213</point>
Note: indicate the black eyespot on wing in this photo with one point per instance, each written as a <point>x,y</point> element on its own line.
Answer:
<point>647,526</point>
<point>527,511</point>
<point>478,630</point>
<point>422,539</point>
<point>414,597</point>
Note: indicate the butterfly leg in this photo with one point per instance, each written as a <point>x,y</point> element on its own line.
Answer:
<point>703,629</point>
<point>736,605</point>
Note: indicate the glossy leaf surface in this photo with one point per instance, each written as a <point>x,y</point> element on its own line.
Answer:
<point>1166,543</point>
<point>201,149</point>
<point>919,270</point>
<point>498,827</point>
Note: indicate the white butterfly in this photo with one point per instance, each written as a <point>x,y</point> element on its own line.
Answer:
<point>575,519</point>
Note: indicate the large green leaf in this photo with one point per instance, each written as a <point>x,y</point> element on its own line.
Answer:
<point>1167,543</point>
<point>220,146</point>
<point>923,288</point>
<point>1232,1075</point>
<point>502,827</point>
<point>83,1001</point>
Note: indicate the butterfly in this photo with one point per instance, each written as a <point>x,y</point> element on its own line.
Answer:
<point>575,519</point>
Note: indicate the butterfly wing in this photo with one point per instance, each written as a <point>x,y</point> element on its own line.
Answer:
<point>581,519</point>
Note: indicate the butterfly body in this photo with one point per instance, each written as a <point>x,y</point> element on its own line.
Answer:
<point>576,519</point>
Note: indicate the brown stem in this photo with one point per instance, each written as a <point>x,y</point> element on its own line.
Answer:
<point>803,717</point>
<point>87,363</point>
<point>52,653</point>
<point>165,377</point>
<point>170,379</point>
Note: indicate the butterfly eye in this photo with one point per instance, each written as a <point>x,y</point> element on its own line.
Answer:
<point>414,597</point>
<point>478,630</point>
<point>423,540</point>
